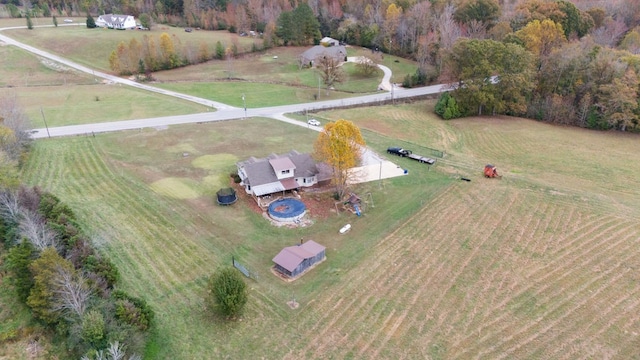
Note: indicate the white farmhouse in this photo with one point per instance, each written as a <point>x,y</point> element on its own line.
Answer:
<point>116,21</point>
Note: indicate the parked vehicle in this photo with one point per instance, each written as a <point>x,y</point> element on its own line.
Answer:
<point>408,153</point>
<point>313,122</point>
<point>399,151</point>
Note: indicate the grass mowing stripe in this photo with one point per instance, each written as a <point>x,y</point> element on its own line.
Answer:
<point>558,293</point>
<point>538,330</point>
<point>518,291</point>
<point>614,311</point>
<point>397,280</point>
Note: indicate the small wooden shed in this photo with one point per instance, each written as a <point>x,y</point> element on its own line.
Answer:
<point>293,261</point>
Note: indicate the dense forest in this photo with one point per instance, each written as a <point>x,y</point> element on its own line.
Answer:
<point>570,62</point>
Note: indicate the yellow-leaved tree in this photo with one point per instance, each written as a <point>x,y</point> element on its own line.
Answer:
<point>540,37</point>
<point>340,145</point>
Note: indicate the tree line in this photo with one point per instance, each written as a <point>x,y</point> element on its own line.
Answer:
<point>561,65</point>
<point>69,287</point>
<point>167,52</point>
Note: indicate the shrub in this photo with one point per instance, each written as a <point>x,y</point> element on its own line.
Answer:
<point>18,261</point>
<point>447,107</point>
<point>228,292</point>
<point>91,23</point>
<point>133,311</point>
<point>103,268</point>
<point>93,329</point>
<point>418,79</point>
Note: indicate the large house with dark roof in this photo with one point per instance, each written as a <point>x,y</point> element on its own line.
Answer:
<point>292,261</point>
<point>278,173</point>
<point>116,21</point>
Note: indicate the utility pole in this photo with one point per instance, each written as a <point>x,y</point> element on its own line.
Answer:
<point>245,106</point>
<point>393,102</point>
<point>45,122</point>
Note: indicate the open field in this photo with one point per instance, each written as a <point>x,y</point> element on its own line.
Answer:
<point>92,47</point>
<point>69,97</point>
<point>540,264</point>
<point>44,84</point>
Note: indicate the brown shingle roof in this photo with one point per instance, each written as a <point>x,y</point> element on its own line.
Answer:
<point>291,256</point>
<point>260,171</point>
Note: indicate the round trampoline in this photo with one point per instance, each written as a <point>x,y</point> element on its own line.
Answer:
<point>226,196</point>
<point>287,210</point>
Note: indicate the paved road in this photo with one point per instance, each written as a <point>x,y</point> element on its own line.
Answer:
<point>224,111</point>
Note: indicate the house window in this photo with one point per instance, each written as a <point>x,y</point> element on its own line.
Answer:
<point>304,181</point>
<point>285,171</point>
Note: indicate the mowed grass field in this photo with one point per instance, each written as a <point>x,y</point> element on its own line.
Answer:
<point>540,264</point>
<point>267,78</point>
<point>69,97</point>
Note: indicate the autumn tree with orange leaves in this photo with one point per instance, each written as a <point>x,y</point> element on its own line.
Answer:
<point>340,145</point>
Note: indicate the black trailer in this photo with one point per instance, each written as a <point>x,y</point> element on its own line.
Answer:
<point>422,159</point>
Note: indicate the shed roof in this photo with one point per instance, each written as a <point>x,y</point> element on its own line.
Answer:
<point>291,256</point>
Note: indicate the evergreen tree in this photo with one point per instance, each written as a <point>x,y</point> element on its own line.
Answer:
<point>228,291</point>
<point>55,21</point>
<point>91,24</point>
<point>18,261</point>
<point>29,23</point>
<point>219,50</point>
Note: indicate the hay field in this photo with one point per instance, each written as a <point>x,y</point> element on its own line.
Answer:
<point>540,264</point>
<point>92,47</point>
<point>69,97</point>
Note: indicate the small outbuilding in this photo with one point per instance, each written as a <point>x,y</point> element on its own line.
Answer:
<point>491,171</point>
<point>293,261</point>
<point>226,196</point>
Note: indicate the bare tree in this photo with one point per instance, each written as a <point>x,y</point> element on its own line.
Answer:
<point>330,70</point>
<point>33,228</point>
<point>71,292</point>
<point>449,29</point>
<point>9,207</point>
<point>366,66</point>
<point>476,29</point>
<point>115,351</point>
<point>610,33</point>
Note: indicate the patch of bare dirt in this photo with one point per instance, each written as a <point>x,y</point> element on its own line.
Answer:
<point>318,201</point>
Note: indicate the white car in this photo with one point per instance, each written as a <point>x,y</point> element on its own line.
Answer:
<point>68,20</point>
<point>313,122</point>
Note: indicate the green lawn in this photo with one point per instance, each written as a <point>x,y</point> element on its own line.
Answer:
<point>45,87</point>
<point>114,178</point>
<point>92,47</point>
<point>545,247</point>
